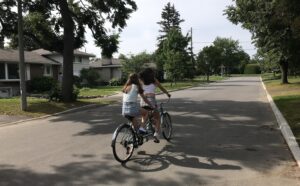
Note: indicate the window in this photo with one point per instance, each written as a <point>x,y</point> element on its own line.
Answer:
<point>2,71</point>
<point>77,59</point>
<point>48,70</point>
<point>13,71</point>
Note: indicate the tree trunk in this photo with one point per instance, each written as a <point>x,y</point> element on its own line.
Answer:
<point>207,77</point>
<point>284,71</point>
<point>2,42</point>
<point>68,52</point>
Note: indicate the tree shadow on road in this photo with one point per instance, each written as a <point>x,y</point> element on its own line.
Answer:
<point>244,132</point>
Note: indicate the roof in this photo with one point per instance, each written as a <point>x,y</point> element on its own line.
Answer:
<point>44,52</point>
<point>105,63</point>
<point>9,55</point>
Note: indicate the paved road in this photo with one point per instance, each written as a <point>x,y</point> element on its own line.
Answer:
<point>225,134</point>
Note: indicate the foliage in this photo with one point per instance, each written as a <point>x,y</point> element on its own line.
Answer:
<point>135,63</point>
<point>274,26</point>
<point>90,75</point>
<point>170,31</point>
<point>55,94</point>
<point>60,26</point>
<point>224,52</point>
<point>170,20</point>
<point>252,69</point>
<point>115,82</point>
<point>175,56</point>
<point>42,84</point>
<point>77,81</point>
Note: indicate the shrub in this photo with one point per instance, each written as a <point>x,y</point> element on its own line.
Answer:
<point>55,94</point>
<point>42,84</point>
<point>77,81</point>
<point>252,69</point>
<point>91,76</point>
<point>115,82</point>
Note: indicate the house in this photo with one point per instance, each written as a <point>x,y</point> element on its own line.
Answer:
<point>81,59</point>
<point>107,68</point>
<point>35,66</point>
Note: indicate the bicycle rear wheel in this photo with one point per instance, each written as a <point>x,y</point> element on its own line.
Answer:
<point>123,143</point>
<point>166,126</point>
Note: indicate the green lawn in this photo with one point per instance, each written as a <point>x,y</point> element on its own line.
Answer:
<point>99,91</point>
<point>287,99</point>
<point>40,106</point>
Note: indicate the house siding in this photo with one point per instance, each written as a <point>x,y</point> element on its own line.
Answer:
<point>77,66</point>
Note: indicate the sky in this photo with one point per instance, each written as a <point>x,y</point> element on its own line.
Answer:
<point>205,17</point>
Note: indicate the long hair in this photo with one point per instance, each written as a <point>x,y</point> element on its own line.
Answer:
<point>147,76</point>
<point>133,79</point>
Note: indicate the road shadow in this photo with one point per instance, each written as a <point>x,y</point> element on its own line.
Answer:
<point>163,159</point>
<point>84,173</point>
<point>242,131</point>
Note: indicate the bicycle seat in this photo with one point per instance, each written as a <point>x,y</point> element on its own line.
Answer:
<point>130,118</point>
<point>147,108</point>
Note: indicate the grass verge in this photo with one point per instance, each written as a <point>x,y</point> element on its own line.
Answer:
<point>40,106</point>
<point>287,99</point>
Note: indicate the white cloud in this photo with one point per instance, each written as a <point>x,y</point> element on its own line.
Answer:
<point>204,16</point>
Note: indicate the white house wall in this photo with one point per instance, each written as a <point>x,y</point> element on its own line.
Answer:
<point>77,66</point>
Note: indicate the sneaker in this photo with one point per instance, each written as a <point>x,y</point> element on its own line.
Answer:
<point>142,130</point>
<point>156,140</point>
<point>156,137</point>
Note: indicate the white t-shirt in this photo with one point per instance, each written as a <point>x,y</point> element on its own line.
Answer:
<point>132,95</point>
<point>149,89</point>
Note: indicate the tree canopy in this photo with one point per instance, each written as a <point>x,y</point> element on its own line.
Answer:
<point>224,52</point>
<point>274,24</point>
<point>59,25</point>
<point>171,55</point>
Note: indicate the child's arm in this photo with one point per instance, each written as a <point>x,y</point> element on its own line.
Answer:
<point>162,88</point>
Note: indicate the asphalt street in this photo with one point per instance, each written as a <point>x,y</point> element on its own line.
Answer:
<point>224,134</point>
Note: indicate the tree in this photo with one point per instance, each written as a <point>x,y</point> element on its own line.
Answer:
<point>8,21</point>
<point>209,61</point>
<point>231,54</point>
<point>135,63</point>
<point>224,52</point>
<point>176,57</point>
<point>274,26</point>
<point>59,25</point>
<point>170,21</point>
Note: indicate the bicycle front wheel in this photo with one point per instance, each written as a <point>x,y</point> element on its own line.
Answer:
<point>123,143</point>
<point>166,126</point>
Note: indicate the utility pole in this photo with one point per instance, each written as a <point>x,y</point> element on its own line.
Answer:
<point>192,53</point>
<point>21,56</point>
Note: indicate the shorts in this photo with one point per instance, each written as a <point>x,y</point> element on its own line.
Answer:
<point>130,109</point>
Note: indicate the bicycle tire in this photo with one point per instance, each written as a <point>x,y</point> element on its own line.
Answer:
<point>166,126</point>
<point>123,142</point>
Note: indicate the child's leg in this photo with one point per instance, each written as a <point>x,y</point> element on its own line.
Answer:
<point>144,114</point>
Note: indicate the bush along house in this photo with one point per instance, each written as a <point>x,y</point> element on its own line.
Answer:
<point>35,66</point>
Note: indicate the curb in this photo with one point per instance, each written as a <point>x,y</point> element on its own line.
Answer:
<point>284,127</point>
<point>55,114</point>
<point>77,109</point>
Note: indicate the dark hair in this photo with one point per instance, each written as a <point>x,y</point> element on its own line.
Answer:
<point>133,79</point>
<point>148,76</point>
